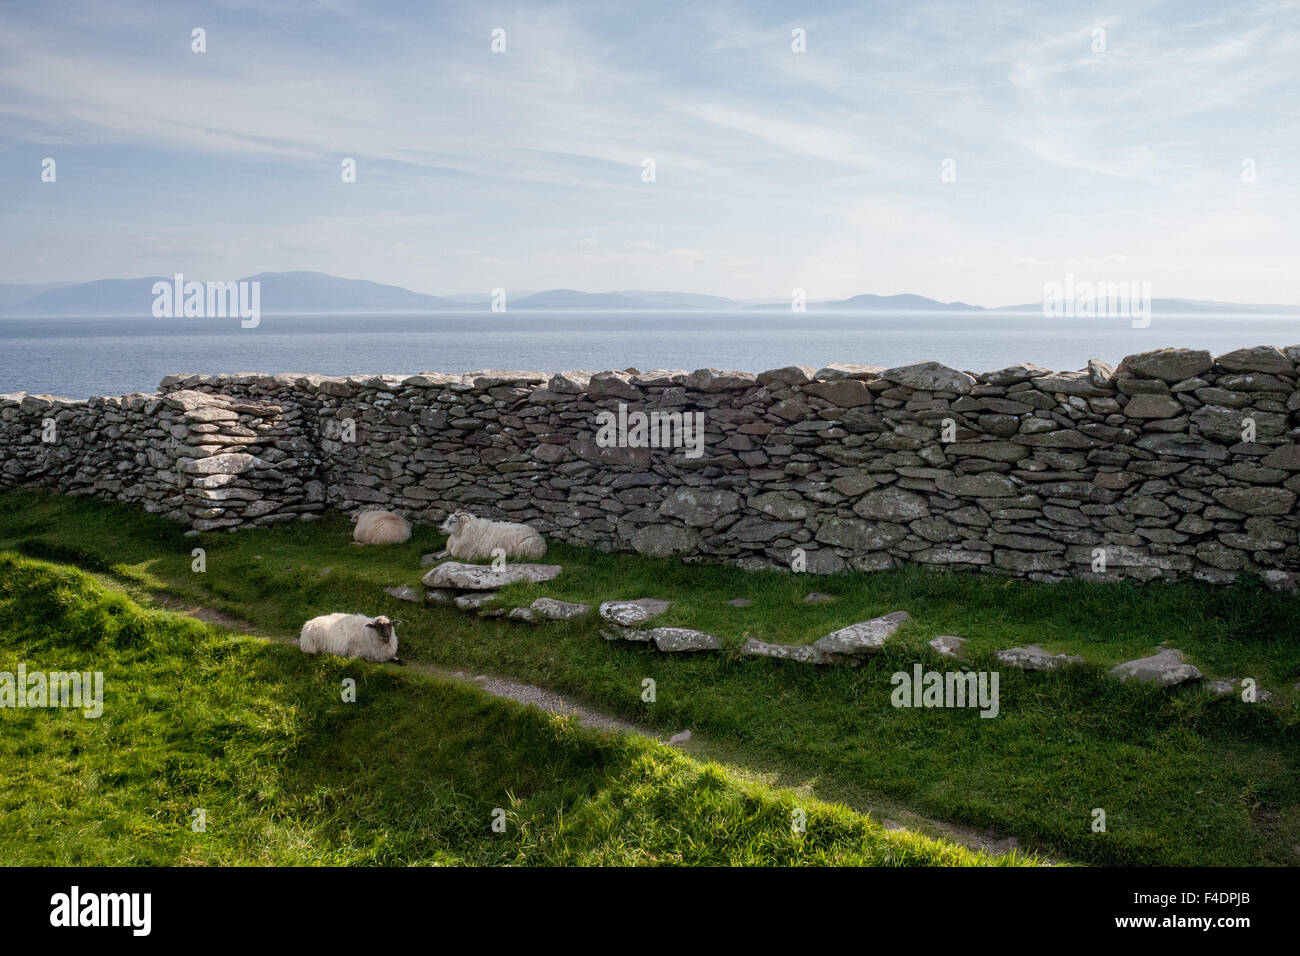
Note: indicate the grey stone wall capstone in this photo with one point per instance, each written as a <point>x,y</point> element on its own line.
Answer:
<point>1147,465</point>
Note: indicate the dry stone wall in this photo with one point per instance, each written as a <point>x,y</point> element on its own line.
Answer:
<point>211,461</point>
<point>1174,464</point>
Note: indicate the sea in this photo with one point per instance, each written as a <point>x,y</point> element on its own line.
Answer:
<point>81,356</point>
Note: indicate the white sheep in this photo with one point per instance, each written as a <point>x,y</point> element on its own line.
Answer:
<point>380,527</point>
<point>469,538</point>
<point>351,635</point>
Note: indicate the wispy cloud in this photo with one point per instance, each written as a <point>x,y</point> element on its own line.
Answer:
<point>822,169</point>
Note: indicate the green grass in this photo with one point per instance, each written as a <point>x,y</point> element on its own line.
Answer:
<point>1184,778</point>
<point>258,736</point>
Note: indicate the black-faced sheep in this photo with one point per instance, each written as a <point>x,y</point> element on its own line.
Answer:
<point>470,538</point>
<point>351,635</point>
<point>380,527</point>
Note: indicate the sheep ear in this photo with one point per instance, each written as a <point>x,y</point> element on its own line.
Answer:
<point>371,624</point>
<point>394,623</point>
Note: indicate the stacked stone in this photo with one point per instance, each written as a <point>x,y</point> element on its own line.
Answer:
<point>1174,464</point>
<point>242,461</point>
<point>207,460</point>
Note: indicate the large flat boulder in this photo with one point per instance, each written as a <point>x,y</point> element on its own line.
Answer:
<point>683,639</point>
<point>484,577</point>
<point>861,639</point>
<point>1164,669</point>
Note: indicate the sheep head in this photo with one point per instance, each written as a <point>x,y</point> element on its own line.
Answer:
<point>455,522</point>
<point>383,627</point>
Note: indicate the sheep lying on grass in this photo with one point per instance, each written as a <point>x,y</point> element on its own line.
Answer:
<point>469,538</point>
<point>351,635</point>
<point>380,527</point>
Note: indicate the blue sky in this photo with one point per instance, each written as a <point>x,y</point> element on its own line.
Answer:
<point>774,169</point>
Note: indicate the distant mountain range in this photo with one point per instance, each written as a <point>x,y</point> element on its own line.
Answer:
<point>291,292</point>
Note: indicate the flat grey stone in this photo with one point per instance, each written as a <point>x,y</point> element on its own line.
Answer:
<point>947,644</point>
<point>632,613</point>
<point>553,610</point>
<point>617,632</point>
<point>931,377</point>
<point>474,601</point>
<point>1164,668</point>
<point>816,597</point>
<point>741,602</point>
<point>1031,657</point>
<point>483,577</point>
<point>524,614</point>
<point>681,639</point>
<point>805,653</point>
<point>403,593</point>
<point>1230,685</point>
<point>861,639</point>
<point>441,596</point>
<point>1282,582</point>
<point>1170,365</point>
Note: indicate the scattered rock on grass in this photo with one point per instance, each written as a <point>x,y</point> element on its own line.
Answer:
<point>682,639</point>
<point>403,593</point>
<point>553,610</point>
<point>1031,657</point>
<point>740,602</point>
<point>631,613</point>
<point>947,644</point>
<point>619,633</point>
<point>1164,669</point>
<point>475,601</point>
<point>678,739</point>
<point>861,639</point>
<point>1230,685</point>
<point>804,653</point>
<point>816,597</point>
<point>484,577</point>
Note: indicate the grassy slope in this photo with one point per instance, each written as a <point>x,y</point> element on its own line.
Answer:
<point>258,736</point>
<point>1184,779</point>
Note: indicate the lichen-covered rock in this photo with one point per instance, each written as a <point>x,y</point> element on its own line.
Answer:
<point>484,577</point>
<point>683,639</point>
<point>632,613</point>
<point>804,653</point>
<point>552,610</point>
<point>861,639</point>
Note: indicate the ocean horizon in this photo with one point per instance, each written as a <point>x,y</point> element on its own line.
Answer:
<point>82,356</point>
